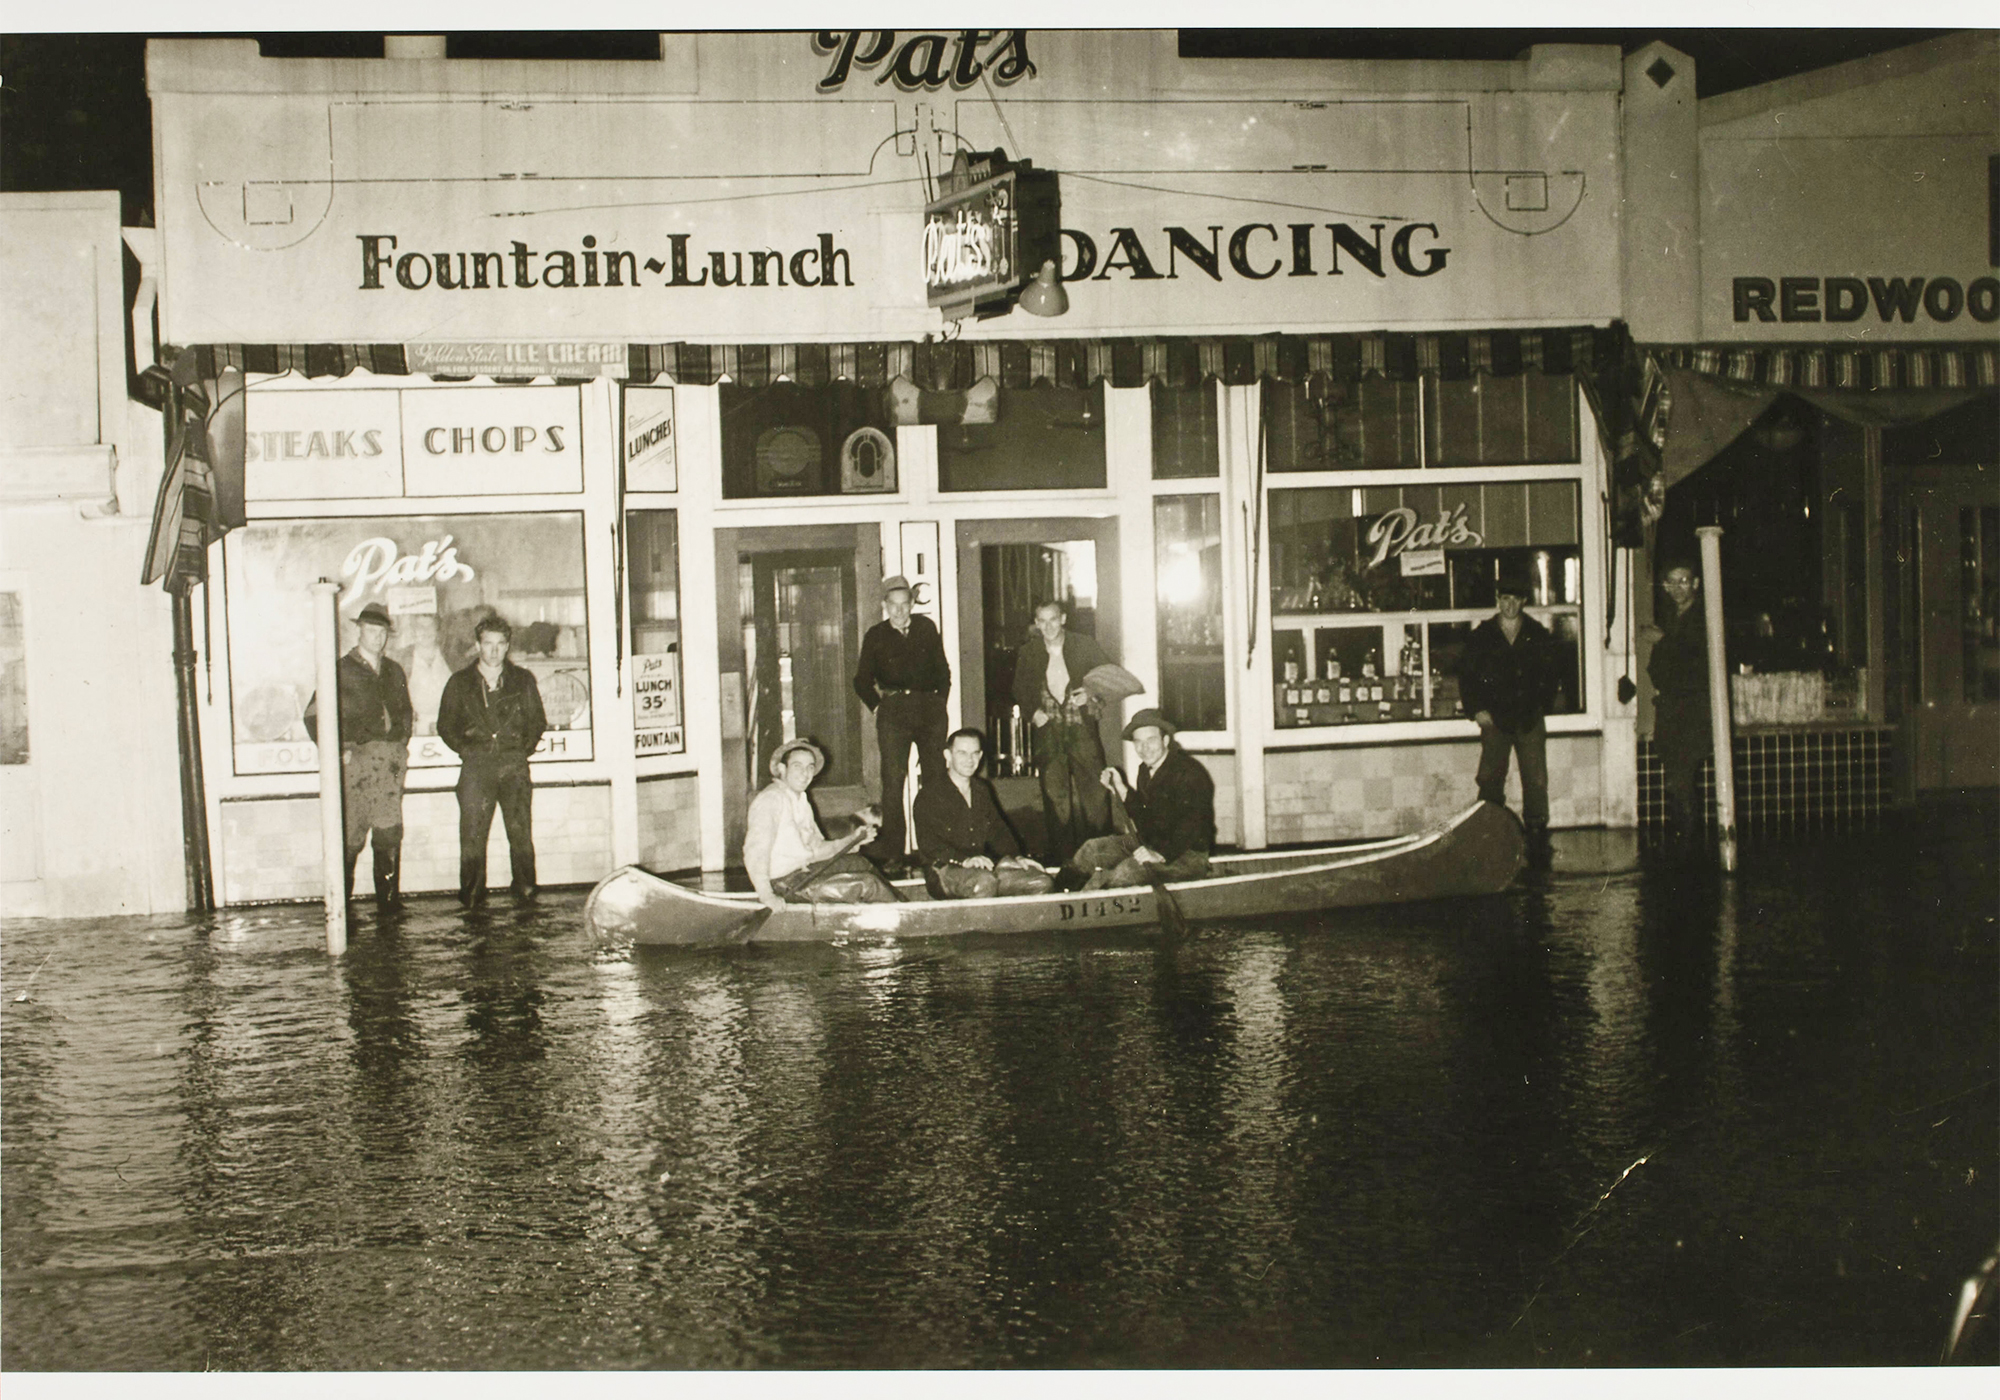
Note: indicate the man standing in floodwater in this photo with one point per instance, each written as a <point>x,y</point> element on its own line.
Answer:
<point>1508,680</point>
<point>491,717</point>
<point>375,724</point>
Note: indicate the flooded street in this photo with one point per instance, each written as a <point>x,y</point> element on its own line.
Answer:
<point>1643,1116</point>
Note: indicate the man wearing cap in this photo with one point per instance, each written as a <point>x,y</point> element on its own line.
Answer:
<point>1048,686</point>
<point>375,724</point>
<point>904,678</point>
<point>787,858</point>
<point>1170,806</point>
<point>1508,679</point>
<point>967,847</point>
<point>491,716</point>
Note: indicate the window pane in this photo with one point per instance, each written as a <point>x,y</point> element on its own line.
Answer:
<point>1500,420</point>
<point>798,440</point>
<point>1328,424</point>
<point>653,602</point>
<point>1379,587</point>
<point>1187,562</point>
<point>438,576</point>
<point>1185,432</point>
<point>1042,439</point>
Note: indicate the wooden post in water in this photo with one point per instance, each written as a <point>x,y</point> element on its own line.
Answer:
<point>332,836</point>
<point>1718,695</point>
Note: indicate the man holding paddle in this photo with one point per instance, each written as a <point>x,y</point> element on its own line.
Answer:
<point>787,858</point>
<point>1167,812</point>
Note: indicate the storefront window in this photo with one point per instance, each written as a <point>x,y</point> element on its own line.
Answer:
<point>1187,562</point>
<point>652,580</point>
<point>1375,590</point>
<point>1042,439</point>
<point>1375,423</point>
<point>1186,432</point>
<point>438,576</point>
<point>786,439</point>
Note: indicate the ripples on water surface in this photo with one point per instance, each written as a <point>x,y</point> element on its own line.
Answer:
<point>1378,1137</point>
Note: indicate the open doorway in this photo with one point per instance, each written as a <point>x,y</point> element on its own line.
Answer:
<point>789,634</point>
<point>1005,569</point>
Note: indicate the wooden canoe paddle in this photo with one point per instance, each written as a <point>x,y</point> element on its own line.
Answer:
<point>1165,901</point>
<point>806,875</point>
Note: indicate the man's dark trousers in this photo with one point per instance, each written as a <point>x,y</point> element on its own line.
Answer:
<point>486,780</point>
<point>902,720</point>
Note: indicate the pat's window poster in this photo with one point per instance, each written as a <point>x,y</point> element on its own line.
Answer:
<point>437,576</point>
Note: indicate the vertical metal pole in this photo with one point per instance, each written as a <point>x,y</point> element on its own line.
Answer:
<point>332,839</point>
<point>1718,694</point>
<point>194,799</point>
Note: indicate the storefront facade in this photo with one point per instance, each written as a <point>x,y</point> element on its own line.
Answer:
<point>1827,393</point>
<point>640,356</point>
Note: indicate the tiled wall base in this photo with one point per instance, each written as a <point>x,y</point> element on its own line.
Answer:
<point>270,850</point>
<point>1342,794</point>
<point>1790,780</point>
<point>670,822</point>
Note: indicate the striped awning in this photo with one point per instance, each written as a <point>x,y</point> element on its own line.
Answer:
<point>1863,367</point>
<point>1128,362</point>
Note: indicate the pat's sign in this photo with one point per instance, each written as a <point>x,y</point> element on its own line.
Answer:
<point>989,231</point>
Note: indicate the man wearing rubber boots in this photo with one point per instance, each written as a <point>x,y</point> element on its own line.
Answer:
<point>375,724</point>
<point>491,716</point>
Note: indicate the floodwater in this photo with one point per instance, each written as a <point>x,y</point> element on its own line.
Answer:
<point>1634,1114</point>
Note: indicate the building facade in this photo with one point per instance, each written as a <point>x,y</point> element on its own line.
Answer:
<point>645,358</point>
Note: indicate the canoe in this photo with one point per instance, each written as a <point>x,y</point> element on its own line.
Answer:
<point>1477,852</point>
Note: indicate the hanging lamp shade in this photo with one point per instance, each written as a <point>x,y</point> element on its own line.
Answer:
<point>1045,296</point>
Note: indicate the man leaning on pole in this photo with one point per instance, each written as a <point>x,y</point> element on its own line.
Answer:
<point>375,725</point>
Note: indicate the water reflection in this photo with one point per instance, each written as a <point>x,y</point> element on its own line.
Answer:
<point>1402,1136</point>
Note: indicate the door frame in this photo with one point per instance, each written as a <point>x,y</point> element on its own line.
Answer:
<point>1935,495</point>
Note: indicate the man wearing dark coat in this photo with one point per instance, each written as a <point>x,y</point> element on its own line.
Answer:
<point>1678,669</point>
<point>1508,678</point>
<point>375,725</point>
<point>967,847</point>
<point>1048,686</point>
<point>904,678</point>
<point>491,716</point>
<point>1170,803</point>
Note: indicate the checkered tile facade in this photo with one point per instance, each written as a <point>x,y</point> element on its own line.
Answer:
<point>1790,780</point>
<point>270,848</point>
<point>1350,793</point>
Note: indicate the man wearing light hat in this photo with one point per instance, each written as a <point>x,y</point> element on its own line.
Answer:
<point>903,677</point>
<point>1169,807</point>
<point>786,857</point>
<point>375,725</point>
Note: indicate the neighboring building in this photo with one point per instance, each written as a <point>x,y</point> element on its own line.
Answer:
<point>89,797</point>
<point>1830,372</point>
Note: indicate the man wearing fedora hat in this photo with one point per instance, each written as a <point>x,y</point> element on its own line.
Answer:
<point>375,724</point>
<point>786,857</point>
<point>1508,678</point>
<point>903,677</point>
<point>1169,808</point>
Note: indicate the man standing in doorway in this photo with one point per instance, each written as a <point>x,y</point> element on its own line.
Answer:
<point>904,678</point>
<point>375,724</point>
<point>1048,685</point>
<point>1508,681</point>
<point>491,717</point>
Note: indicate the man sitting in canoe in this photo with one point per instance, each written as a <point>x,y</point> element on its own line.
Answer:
<point>787,858</point>
<point>962,838</point>
<point>1169,808</point>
